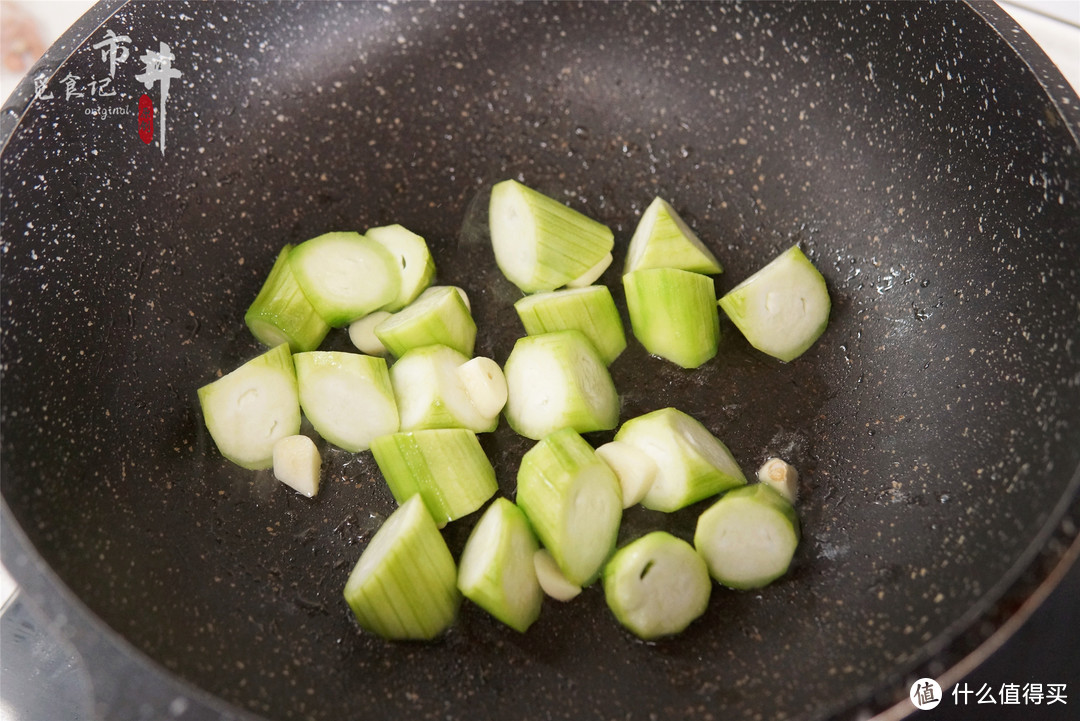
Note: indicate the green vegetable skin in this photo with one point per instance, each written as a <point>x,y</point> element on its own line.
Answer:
<point>657,585</point>
<point>405,584</point>
<point>496,570</point>
<point>335,386</point>
<point>673,314</point>
<point>446,467</point>
<point>539,243</point>
<point>663,240</point>
<point>253,407</point>
<point>748,537</point>
<point>437,316</point>
<point>691,463</point>
<point>431,392</point>
<point>281,312</point>
<point>783,308</point>
<point>573,501</point>
<point>590,310</point>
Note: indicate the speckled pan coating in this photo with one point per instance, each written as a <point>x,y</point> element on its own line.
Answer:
<point>936,424</point>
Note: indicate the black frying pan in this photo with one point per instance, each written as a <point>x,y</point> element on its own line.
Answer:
<point>928,169</point>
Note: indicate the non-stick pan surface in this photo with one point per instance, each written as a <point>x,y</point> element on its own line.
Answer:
<point>907,147</point>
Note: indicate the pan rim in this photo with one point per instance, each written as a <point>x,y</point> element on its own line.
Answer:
<point>1026,581</point>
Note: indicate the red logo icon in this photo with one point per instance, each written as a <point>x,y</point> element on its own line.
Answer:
<point>146,119</point>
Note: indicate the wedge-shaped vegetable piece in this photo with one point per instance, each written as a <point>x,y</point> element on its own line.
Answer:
<point>691,463</point>
<point>540,244</point>
<point>446,467</point>
<point>431,392</point>
<point>281,313</point>
<point>634,469</point>
<point>748,537</point>
<point>404,587</point>
<point>592,274</point>
<point>663,240</point>
<point>253,407</point>
<point>673,313</point>
<point>412,259</point>
<point>297,464</point>
<point>573,501</point>
<point>783,308</point>
<point>347,397</point>
<point>438,316</point>
<point>656,585</point>
<point>345,276</point>
<point>591,310</point>
<point>496,570</point>
<point>551,579</point>
<point>558,380</point>
<point>362,333</point>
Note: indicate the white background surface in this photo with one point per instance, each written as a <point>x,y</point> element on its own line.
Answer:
<point>1055,25</point>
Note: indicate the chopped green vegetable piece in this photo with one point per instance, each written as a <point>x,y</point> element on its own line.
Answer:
<point>657,585</point>
<point>558,380</point>
<point>447,467</point>
<point>346,396</point>
<point>251,408</point>
<point>673,314</point>
<point>540,244</point>
<point>431,393</point>
<point>692,464</point>
<point>591,310</point>
<point>405,584</point>
<point>496,570</point>
<point>281,313</point>
<point>783,308</point>
<point>664,240</point>
<point>411,258</point>
<point>573,501</point>
<point>592,274</point>
<point>438,316</point>
<point>362,333</point>
<point>345,276</point>
<point>297,464</point>
<point>551,579</point>
<point>748,537</point>
<point>634,469</point>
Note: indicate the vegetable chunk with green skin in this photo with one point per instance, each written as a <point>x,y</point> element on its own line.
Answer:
<point>345,276</point>
<point>281,313</point>
<point>673,314</point>
<point>590,309</point>
<point>431,391</point>
<point>657,585</point>
<point>347,397</point>
<point>573,500</point>
<point>496,570</point>
<point>691,463</point>
<point>411,258</point>
<point>446,467</point>
<point>248,410</point>
<point>663,240</point>
<point>539,243</point>
<point>437,316</point>
<point>748,537</point>
<point>783,308</point>
<point>558,380</point>
<point>404,587</point>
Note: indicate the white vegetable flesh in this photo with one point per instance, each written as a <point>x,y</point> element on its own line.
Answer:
<point>362,333</point>
<point>431,392</point>
<point>783,308</point>
<point>248,410</point>
<point>551,579</point>
<point>485,384</point>
<point>412,259</point>
<point>783,478</point>
<point>633,467</point>
<point>347,397</point>
<point>297,464</point>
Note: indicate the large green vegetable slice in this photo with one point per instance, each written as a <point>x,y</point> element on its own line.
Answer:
<point>673,314</point>
<point>412,259</point>
<point>435,388</point>
<point>437,316</point>
<point>590,309</point>
<point>281,313</point>
<point>347,397</point>
<point>253,407</point>
<point>663,240</point>
<point>405,584</point>
<point>573,501</point>
<point>783,308</point>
